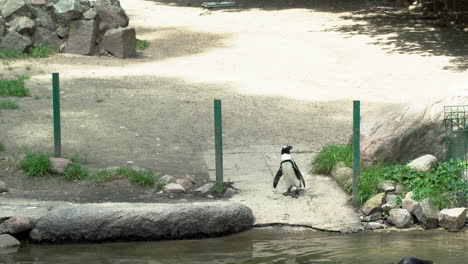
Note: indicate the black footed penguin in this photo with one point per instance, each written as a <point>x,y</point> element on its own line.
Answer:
<point>292,176</point>
<point>411,260</point>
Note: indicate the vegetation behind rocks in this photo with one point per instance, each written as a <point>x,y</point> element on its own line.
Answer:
<point>443,184</point>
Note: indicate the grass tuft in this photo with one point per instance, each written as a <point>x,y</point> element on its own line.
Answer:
<point>36,164</point>
<point>101,176</point>
<point>2,146</point>
<point>12,54</point>
<point>331,154</point>
<point>8,105</point>
<point>138,177</point>
<point>76,172</point>
<point>42,51</point>
<point>14,87</point>
<point>141,44</point>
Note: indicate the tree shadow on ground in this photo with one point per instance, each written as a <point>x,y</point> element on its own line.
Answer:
<point>271,5</point>
<point>400,32</point>
<point>159,123</point>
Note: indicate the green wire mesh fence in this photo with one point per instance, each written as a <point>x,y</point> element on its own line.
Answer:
<point>456,140</point>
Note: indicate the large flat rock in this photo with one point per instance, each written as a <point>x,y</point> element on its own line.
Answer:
<point>132,221</point>
<point>322,205</point>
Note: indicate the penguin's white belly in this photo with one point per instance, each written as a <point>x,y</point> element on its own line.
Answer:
<point>289,176</point>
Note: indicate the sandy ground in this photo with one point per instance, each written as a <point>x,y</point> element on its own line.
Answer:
<point>287,74</point>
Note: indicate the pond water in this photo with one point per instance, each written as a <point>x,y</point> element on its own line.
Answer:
<point>265,245</point>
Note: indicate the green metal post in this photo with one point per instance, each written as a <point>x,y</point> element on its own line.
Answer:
<point>218,142</point>
<point>356,149</point>
<point>56,106</point>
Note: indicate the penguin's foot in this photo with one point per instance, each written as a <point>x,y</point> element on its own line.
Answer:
<point>295,194</point>
<point>288,193</point>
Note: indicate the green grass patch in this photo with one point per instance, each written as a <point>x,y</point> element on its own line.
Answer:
<point>101,176</point>
<point>76,172</point>
<point>42,51</point>
<point>138,177</point>
<point>141,44</point>
<point>14,87</point>
<point>2,146</point>
<point>329,155</point>
<point>12,54</point>
<point>8,105</point>
<point>36,164</point>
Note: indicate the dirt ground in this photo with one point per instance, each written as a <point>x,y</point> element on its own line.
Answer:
<point>286,72</point>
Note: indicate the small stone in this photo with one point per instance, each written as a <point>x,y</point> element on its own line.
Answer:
<point>373,226</point>
<point>230,192</point>
<point>371,218</point>
<point>90,14</point>
<point>62,31</point>
<point>398,189</point>
<point>3,187</point>
<point>391,197</point>
<point>190,178</point>
<point>168,179</point>
<point>174,187</point>
<point>465,30</point>
<point>210,196</point>
<point>424,163</point>
<point>7,241</point>
<point>452,219</point>
<point>185,183</point>
<point>205,188</point>
<point>37,2</point>
<point>389,206</point>
<point>18,224</point>
<point>59,165</point>
<point>386,186</point>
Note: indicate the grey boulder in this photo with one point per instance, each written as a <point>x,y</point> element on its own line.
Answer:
<point>82,37</point>
<point>427,214</point>
<point>424,163</point>
<point>7,241</point>
<point>130,221</point>
<point>400,218</point>
<point>452,219</point>
<point>120,42</point>
<point>68,10</point>
<point>401,133</point>
<point>15,41</point>
<point>374,204</point>
<point>14,7</point>
<point>3,187</point>
<point>44,19</point>
<point>341,173</point>
<point>111,12</point>
<point>23,25</point>
<point>17,224</point>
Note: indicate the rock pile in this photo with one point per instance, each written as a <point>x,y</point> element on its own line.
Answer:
<point>86,27</point>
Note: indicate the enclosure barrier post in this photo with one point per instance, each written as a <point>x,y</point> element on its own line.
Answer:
<point>218,141</point>
<point>356,149</point>
<point>56,107</point>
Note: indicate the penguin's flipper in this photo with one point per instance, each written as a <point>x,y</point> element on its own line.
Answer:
<point>277,177</point>
<point>298,174</point>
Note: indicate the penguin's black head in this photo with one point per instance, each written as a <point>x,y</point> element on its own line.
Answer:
<point>286,149</point>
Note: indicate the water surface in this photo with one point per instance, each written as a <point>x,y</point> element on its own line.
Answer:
<point>266,245</point>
